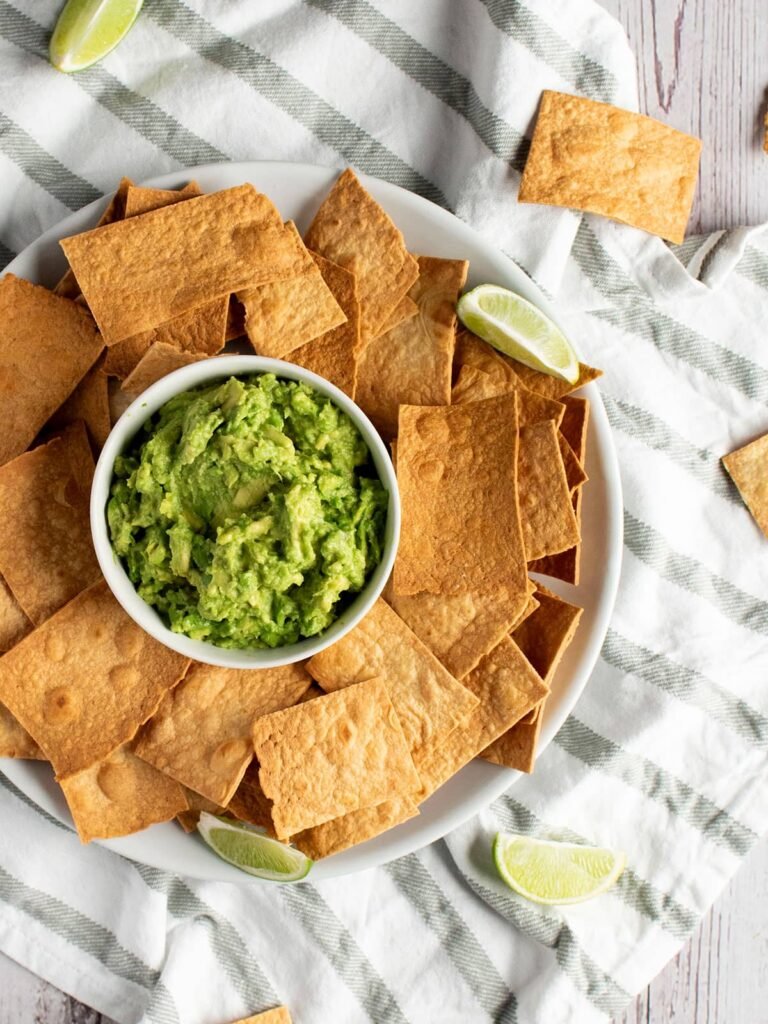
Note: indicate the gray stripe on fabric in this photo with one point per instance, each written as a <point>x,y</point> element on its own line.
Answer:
<point>430,72</point>
<point>136,111</point>
<point>709,259</point>
<point>457,940</point>
<point>650,547</point>
<point>686,250</point>
<point>235,959</point>
<point>6,783</point>
<point>656,784</point>
<point>306,107</point>
<point>638,894</point>
<point>687,685</point>
<point>654,432</point>
<point>527,28</point>
<point>753,266</point>
<point>44,169</point>
<point>6,255</point>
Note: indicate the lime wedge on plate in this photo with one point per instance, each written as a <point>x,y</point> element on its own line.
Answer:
<point>88,29</point>
<point>555,873</point>
<point>251,851</point>
<point>518,329</point>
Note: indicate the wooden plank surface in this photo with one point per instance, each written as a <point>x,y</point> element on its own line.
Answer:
<point>703,68</point>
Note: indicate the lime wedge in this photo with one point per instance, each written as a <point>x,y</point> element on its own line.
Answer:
<point>555,873</point>
<point>518,329</point>
<point>251,851</point>
<point>88,29</point>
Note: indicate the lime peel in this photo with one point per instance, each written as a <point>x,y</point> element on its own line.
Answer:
<point>87,30</point>
<point>519,329</point>
<point>249,849</point>
<point>554,873</point>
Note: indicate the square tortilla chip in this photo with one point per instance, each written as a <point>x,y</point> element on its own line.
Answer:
<point>85,681</point>
<point>201,733</point>
<point>575,425</point>
<point>46,551</point>
<point>565,565</point>
<point>429,702</point>
<point>157,362</point>
<point>412,363</point>
<point>281,316</point>
<point>279,1015</point>
<point>250,803</point>
<point>89,402</point>
<point>353,828</point>
<point>748,468</point>
<point>327,757</point>
<point>14,624</point>
<point>507,686</point>
<point>68,287</point>
<point>334,354</point>
<point>404,310</point>
<point>177,258</point>
<point>119,796</point>
<point>140,199</point>
<point>352,230</point>
<point>15,741</point>
<point>574,473</point>
<point>550,387</point>
<point>47,345</point>
<point>458,490</point>
<point>548,519</point>
<point>596,157</point>
<point>517,747</point>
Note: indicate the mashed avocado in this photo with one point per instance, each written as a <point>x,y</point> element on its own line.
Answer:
<point>248,512</point>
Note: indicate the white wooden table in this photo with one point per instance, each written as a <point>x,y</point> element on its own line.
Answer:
<point>703,68</point>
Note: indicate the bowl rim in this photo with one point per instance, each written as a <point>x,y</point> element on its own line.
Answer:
<point>128,425</point>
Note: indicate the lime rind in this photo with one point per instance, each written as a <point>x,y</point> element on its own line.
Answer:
<point>554,873</point>
<point>516,327</point>
<point>87,30</point>
<point>250,850</point>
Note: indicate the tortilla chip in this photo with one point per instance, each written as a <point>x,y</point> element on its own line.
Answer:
<point>565,565</point>
<point>235,319</point>
<point>334,354</point>
<point>546,385</point>
<point>353,828</point>
<point>517,747</point>
<point>404,310</point>
<point>47,345</point>
<point>457,479</point>
<point>85,681</point>
<point>412,364</point>
<point>427,699</point>
<point>250,803</point>
<point>46,552</point>
<point>279,1015</point>
<point>68,287</point>
<point>596,157</point>
<point>158,362</point>
<point>548,519</point>
<point>327,757</point>
<point>574,472</point>
<point>507,687</point>
<point>139,199</point>
<point>283,315</point>
<point>529,607</point>
<point>575,425</point>
<point>748,468</point>
<point>89,402</point>
<point>352,230</point>
<point>120,795</point>
<point>196,803</point>
<point>15,741</point>
<point>201,733</point>
<point>180,257</point>
<point>14,624</point>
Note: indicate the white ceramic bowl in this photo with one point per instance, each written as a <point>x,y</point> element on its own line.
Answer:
<point>204,372</point>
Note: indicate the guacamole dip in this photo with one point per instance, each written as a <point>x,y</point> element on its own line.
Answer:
<point>248,512</point>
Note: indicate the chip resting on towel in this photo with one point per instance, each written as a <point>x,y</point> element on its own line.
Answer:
<point>748,468</point>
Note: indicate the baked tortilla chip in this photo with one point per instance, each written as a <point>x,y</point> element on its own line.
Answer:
<point>507,687</point>
<point>353,828</point>
<point>177,258</point>
<point>68,287</point>
<point>548,519</point>
<point>517,747</point>
<point>458,490</point>
<point>412,363</point>
<point>334,354</point>
<point>250,803</point>
<point>748,468</point>
<point>427,699</point>
<point>157,362</point>
<point>15,741</point>
<point>196,803</point>
<point>85,681</point>
<point>201,733</point>
<point>14,624</point>
<point>327,757</point>
<point>279,1015</point>
<point>89,402</point>
<point>404,310</point>
<point>46,551</point>
<point>574,473</point>
<point>120,795</point>
<point>283,315</point>
<point>352,230</point>
<point>140,199</point>
<point>47,345</point>
<point>575,425</point>
<point>546,385</point>
<point>596,157</point>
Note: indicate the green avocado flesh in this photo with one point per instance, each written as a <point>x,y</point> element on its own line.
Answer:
<point>248,512</point>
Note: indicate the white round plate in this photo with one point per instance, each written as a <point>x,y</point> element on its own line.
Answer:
<point>297,190</point>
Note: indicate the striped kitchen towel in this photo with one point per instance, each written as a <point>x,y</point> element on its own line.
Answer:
<point>665,756</point>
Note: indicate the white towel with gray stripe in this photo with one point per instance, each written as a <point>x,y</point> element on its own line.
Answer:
<point>665,754</point>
